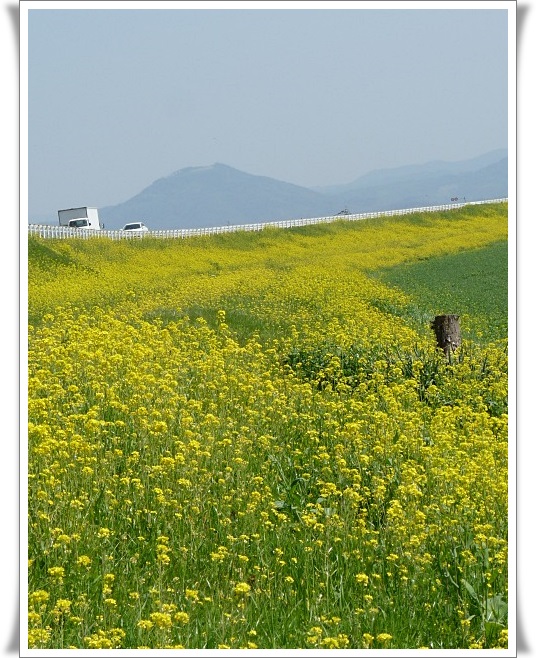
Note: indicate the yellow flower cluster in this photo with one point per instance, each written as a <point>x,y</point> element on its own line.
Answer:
<point>260,449</point>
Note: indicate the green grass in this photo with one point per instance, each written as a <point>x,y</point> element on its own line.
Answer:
<point>472,284</point>
<point>43,256</point>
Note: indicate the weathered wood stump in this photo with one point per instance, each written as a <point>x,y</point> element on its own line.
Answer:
<point>448,332</point>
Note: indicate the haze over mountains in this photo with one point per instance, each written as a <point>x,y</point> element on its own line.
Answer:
<point>484,177</point>
<point>218,194</point>
<point>215,196</point>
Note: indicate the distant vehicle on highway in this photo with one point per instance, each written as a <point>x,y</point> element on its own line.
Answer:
<point>84,218</point>
<point>135,226</point>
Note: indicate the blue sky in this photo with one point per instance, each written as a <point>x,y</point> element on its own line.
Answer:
<point>120,97</point>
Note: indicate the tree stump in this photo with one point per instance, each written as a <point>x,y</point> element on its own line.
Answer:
<point>448,332</point>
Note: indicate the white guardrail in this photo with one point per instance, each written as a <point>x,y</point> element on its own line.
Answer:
<point>62,232</point>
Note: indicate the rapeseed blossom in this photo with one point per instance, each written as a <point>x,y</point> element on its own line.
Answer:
<point>274,442</point>
<point>241,588</point>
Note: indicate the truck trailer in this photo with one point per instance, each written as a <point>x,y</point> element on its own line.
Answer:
<point>83,218</point>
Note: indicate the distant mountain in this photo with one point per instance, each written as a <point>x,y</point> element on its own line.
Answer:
<point>424,185</point>
<point>215,196</point>
<point>218,195</point>
<point>411,174</point>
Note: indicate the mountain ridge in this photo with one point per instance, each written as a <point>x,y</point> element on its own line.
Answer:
<point>218,194</point>
<point>214,195</point>
<point>432,167</point>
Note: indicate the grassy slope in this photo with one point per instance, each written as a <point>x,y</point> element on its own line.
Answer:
<point>473,284</point>
<point>101,271</point>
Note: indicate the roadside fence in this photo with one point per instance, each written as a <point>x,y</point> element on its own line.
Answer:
<point>65,232</point>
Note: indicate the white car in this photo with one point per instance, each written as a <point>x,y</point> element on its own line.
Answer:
<point>135,226</point>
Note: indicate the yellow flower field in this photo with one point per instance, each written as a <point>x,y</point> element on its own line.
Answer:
<point>236,442</point>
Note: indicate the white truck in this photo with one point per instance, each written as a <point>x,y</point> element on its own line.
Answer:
<point>82,218</point>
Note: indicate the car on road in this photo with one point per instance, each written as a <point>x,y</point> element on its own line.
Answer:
<point>135,226</point>
<point>82,223</point>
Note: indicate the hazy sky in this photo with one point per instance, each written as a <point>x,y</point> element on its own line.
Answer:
<point>120,97</point>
